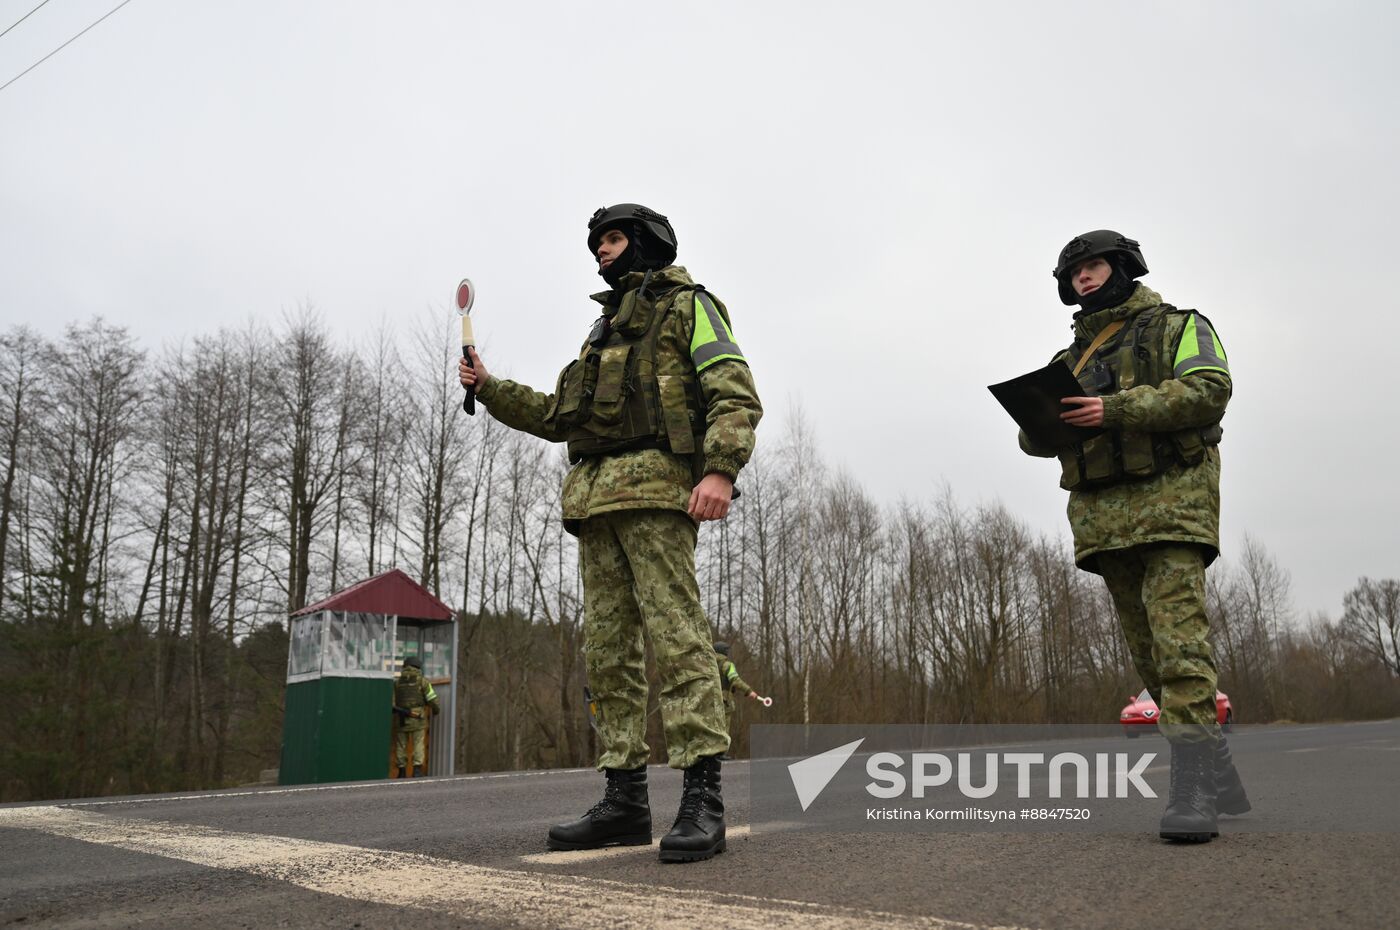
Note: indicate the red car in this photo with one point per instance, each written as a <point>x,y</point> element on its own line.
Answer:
<point>1141,713</point>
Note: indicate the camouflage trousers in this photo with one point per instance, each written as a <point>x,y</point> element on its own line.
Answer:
<point>403,739</point>
<point>1160,593</point>
<point>638,570</point>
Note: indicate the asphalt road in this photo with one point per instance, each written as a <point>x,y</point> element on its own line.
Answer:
<point>469,852</point>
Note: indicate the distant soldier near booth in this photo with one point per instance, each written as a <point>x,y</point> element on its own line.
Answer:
<point>414,702</point>
<point>733,684</point>
<point>658,412</point>
<point>1144,499</point>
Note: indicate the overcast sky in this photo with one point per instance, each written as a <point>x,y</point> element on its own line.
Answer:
<point>878,191</point>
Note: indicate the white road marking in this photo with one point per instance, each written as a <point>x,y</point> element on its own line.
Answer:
<point>442,886</point>
<point>269,792</point>
<point>576,856</point>
<point>400,783</point>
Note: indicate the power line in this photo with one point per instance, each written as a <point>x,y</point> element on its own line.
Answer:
<point>61,47</point>
<point>23,18</point>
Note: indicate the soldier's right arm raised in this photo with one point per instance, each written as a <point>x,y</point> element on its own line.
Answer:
<point>516,405</point>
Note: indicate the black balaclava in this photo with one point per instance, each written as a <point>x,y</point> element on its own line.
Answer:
<point>1118,288</point>
<point>631,258</point>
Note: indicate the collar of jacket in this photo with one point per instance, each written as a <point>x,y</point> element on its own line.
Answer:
<point>668,278</point>
<point>1088,326</point>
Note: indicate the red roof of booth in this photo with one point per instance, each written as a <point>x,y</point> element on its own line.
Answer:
<point>390,593</point>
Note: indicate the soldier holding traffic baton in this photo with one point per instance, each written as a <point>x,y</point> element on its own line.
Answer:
<point>658,411</point>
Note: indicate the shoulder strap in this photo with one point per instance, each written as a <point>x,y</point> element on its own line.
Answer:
<point>1104,335</point>
<point>1144,320</point>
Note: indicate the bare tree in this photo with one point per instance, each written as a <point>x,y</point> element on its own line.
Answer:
<point>94,405</point>
<point>386,420</point>
<point>20,349</point>
<point>436,443</point>
<point>306,383</point>
<point>1371,616</point>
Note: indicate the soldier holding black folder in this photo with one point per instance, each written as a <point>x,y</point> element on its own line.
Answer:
<point>1144,480</point>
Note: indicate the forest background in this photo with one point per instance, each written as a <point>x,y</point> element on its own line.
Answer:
<point>162,511</point>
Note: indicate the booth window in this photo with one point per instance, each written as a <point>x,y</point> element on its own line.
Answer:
<point>437,650</point>
<point>358,643</point>
<point>430,642</point>
<point>304,658</point>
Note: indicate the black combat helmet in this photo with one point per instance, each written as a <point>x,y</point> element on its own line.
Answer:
<point>657,247</point>
<point>1127,258</point>
<point>722,648</point>
<point>413,662</point>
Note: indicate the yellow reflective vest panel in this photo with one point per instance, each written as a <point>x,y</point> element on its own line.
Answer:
<point>712,340</point>
<point>1199,349</point>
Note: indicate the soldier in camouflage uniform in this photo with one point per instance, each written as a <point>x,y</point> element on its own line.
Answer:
<point>414,702</point>
<point>1144,503</point>
<point>658,412</point>
<point>733,684</point>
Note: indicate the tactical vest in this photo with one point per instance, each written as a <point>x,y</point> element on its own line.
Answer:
<point>1141,356</point>
<point>408,690</point>
<point>612,398</point>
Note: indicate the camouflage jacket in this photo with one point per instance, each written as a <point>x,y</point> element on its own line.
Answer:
<point>729,674</point>
<point>647,478</point>
<point>1180,504</point>
<point>415,694</point>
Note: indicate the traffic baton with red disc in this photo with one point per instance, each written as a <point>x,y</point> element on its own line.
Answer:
<point>466,296</point>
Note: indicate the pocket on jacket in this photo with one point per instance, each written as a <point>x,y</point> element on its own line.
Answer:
<point>614,383</point>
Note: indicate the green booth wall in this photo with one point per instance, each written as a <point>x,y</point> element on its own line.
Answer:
<point>336,729</point>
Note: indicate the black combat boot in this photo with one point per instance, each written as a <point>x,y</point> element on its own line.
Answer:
<point>698,832</point>
<point>622,818</point>
<point>1190,815</point>
<point>400,772</point>
<point>1229,790</point>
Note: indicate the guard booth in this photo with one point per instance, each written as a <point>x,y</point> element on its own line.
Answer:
<point>344,653</point>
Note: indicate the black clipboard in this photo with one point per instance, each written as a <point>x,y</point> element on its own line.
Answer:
<point>1033,400</point>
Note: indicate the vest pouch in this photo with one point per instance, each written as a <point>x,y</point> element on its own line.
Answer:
<point>573,397</point>
<point>1139,459</point>
<point>1126,371</point>
<point>1099,455</point>
<point>1071,474</point>
<point>633,317</point>
<point>1189,445</point>
<point>610,396</point>
<point>551,415</point>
